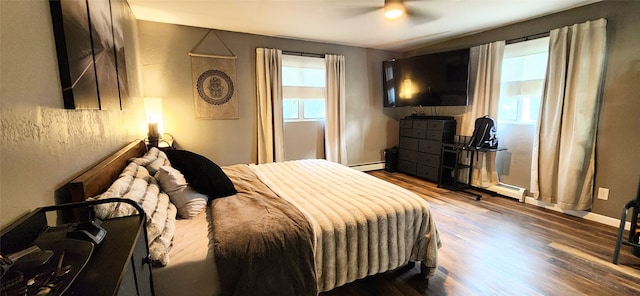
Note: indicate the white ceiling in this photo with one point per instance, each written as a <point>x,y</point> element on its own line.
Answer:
<point>350,22</point>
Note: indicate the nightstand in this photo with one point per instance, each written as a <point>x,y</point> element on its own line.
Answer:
<point>119,265</point>
<point>164,143</point>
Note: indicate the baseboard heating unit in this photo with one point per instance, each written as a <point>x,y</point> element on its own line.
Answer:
<point>365,167</point>
<point>508,191</point>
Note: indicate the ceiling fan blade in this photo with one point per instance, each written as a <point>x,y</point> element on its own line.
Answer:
<point>410,1</point>
<point>358,11</point>
<point>356,8</point>
<point>418,17</point>
<point>412,14</point>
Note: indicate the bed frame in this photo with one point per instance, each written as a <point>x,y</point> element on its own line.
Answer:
<point>99,177</point>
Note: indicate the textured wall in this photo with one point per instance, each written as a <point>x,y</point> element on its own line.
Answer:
<point>43,146</point>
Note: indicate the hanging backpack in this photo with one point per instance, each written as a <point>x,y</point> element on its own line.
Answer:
<point>484,134</point>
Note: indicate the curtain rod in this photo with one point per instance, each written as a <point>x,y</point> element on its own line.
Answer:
<point>527,38</point>
<point>303,54</point>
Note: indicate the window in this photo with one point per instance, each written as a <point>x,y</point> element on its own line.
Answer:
<point>524,68</point>
<point>303,88</point>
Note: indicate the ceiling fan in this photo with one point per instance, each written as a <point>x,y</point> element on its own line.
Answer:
<point>394,9</point>
<point>399,9</point>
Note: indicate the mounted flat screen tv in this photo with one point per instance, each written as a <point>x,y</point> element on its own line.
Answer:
<point>438,79</point>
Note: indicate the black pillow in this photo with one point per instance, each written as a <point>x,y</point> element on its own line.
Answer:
<point>201,173</point>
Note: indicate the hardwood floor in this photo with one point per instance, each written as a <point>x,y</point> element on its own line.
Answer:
<point>499,246</point>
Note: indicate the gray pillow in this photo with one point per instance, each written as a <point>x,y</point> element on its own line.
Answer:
<point>170,179</point>
<point>188,202</point>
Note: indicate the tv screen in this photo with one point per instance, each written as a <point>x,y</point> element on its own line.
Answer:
<point>438,79</point>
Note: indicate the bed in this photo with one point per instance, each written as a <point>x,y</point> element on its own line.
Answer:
<point>289,228</point>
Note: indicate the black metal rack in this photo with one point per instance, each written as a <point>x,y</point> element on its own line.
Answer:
<point>452,165</point>
<point>634,232</point>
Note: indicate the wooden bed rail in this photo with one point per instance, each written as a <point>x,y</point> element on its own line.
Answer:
<point>99,177</point>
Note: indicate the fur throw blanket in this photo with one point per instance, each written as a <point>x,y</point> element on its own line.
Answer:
<point>136,183</point>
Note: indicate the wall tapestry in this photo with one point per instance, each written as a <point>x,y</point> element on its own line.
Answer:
<point>90,48</point>
<point>214,82</point>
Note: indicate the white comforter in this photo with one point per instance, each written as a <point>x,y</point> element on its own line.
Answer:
<point>362,225</point>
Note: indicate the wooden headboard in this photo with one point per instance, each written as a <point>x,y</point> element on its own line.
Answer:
<point>99,177</point>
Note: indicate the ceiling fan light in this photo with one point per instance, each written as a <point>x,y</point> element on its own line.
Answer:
<point>393,10</point>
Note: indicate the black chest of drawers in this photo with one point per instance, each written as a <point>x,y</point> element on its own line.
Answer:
<point>420,145</point>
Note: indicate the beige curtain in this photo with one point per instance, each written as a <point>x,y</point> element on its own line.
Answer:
<point>485,100</point>
<point>335,145</point>
<point>269,94</point>
<point>564,148</point>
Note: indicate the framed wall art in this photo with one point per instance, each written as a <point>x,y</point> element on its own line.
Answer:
<point>90,37</point>
<point>213,68</point>
<point>214,86</point>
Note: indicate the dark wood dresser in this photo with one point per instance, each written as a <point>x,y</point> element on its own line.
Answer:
<point>420,145</point>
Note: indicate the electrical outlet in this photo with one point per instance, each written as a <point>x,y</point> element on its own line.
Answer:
<point>603,193</point>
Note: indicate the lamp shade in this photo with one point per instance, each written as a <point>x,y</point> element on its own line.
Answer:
<point>153,109</point>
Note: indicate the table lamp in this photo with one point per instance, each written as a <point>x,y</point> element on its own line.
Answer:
<point>153,109</point>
